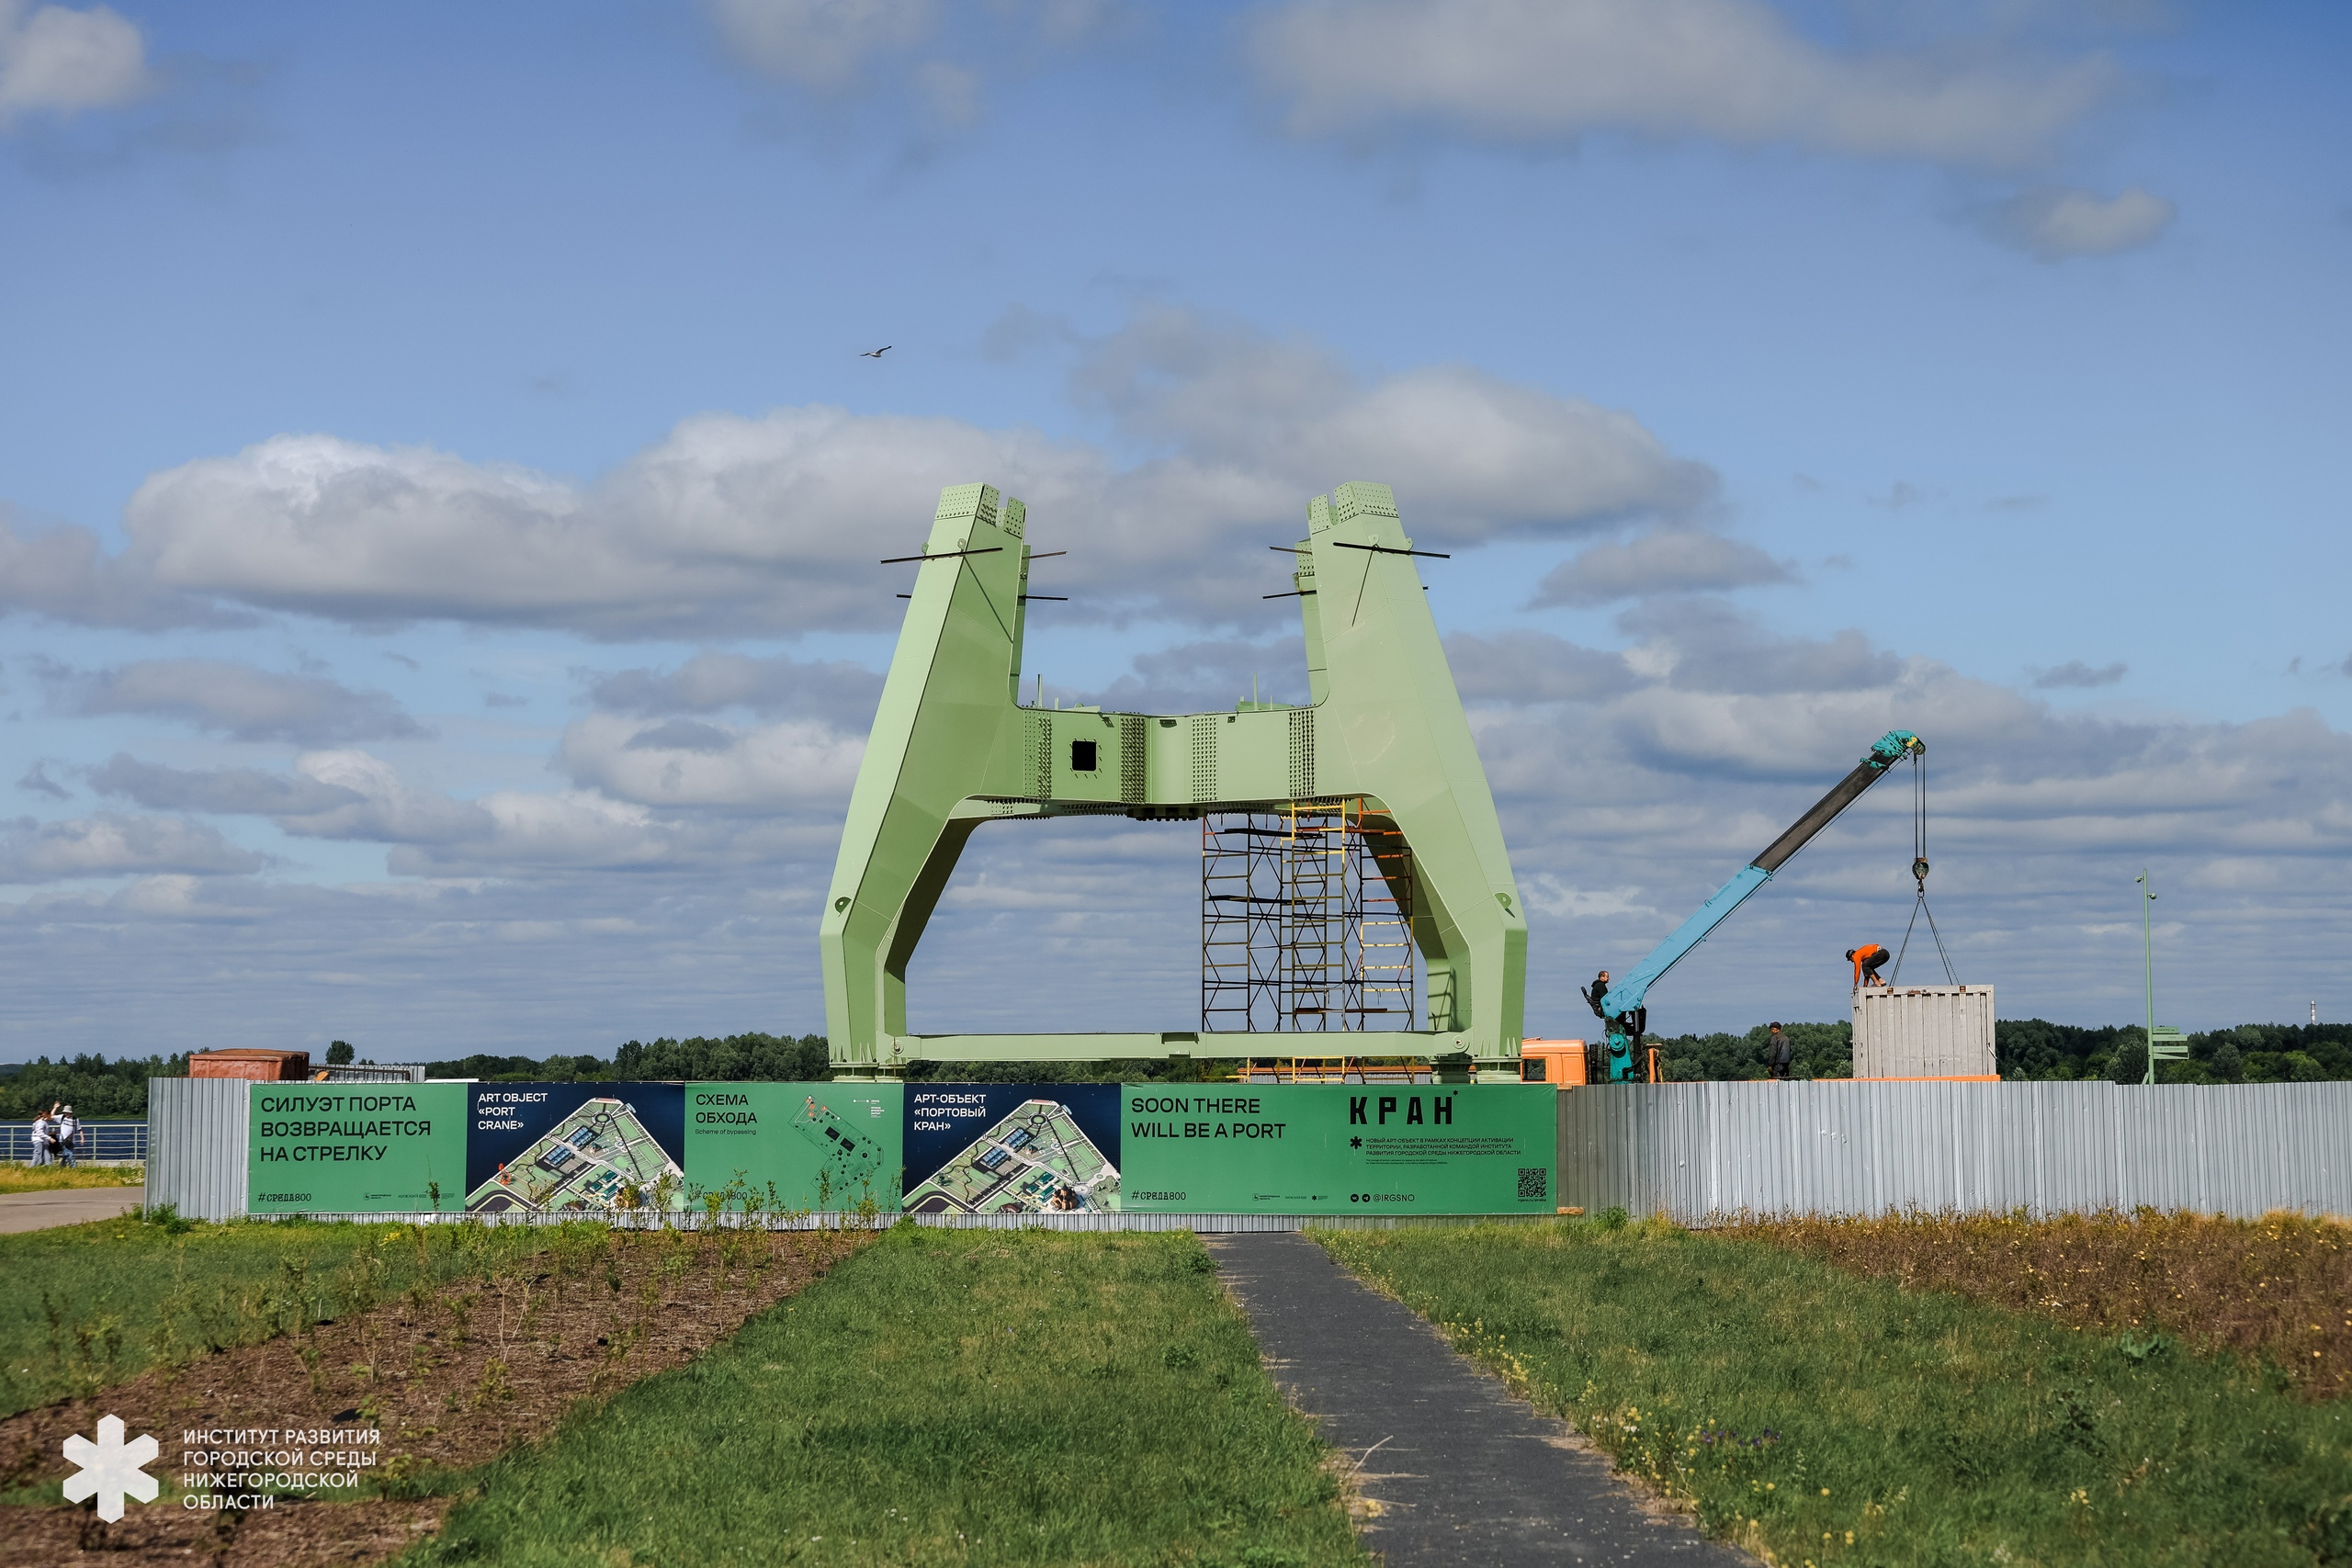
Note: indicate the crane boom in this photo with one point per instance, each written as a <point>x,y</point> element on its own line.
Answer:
<point>1626,997</point>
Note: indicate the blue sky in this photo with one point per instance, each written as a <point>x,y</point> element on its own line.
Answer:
<point>440,487</point>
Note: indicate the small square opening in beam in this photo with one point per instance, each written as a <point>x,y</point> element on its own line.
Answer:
<point>1082,756</point>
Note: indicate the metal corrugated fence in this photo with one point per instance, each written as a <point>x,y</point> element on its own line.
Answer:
<point>1699,1151</point>
<point>196,1145</point>
<point>1838,1147</point>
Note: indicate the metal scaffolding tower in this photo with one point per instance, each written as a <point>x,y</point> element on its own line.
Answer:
<point>1306,921</point>
<point>1242,908</point>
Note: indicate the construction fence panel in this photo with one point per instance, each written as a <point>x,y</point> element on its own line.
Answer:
<point>1703,1151</point>
<point>196,1145</point>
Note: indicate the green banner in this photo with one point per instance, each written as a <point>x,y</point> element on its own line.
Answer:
<point>950,1148</point>
<point>796,1146</point>
<point>1338,1148</point>
<point>348,1148</point>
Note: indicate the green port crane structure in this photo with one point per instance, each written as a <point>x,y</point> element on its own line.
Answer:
<point>1383,733</point>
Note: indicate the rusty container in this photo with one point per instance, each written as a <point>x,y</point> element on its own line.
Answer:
<point>258,1065</point>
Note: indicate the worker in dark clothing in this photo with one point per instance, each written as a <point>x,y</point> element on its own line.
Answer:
<point>1596,1055</point>
<point>1867,960</point>
<point>1779,1052</point>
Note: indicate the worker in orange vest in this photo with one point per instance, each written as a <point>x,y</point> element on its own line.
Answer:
<point>1868,960</point>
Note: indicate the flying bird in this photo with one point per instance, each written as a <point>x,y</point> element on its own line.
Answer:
<point>875,352</point>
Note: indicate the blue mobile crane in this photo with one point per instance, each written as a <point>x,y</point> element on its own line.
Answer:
<point>1622,1009</point>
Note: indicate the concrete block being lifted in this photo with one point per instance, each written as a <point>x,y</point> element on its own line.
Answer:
<point>1923,1031</point>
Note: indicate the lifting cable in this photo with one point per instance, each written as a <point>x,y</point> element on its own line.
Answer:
<point>1919,874</point>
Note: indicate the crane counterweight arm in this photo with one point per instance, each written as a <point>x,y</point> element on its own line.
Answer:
<point>1627,996</point>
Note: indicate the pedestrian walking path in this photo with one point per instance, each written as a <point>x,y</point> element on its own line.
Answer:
<point>65,1206</point>
<point>1458,1471</point>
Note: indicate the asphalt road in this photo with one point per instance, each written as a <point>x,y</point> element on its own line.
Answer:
<point>65,1206</point>
<point>1457,1470</point>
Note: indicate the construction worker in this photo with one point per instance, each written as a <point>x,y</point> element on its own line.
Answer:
<point>1600,989</point>
<point>1779,1052</point>
<point>1868,960</point>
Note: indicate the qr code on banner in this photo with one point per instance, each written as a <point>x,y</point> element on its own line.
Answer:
<point>1534,1181</point>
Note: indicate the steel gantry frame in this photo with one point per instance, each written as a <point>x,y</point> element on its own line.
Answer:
<point>1381,750</point>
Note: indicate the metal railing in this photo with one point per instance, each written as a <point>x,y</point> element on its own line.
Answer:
<point>100,1140</point>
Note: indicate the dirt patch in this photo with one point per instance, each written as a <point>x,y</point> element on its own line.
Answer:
<point>289,1534</point>
<point>2278,1287</point>
<point>451,1376</point>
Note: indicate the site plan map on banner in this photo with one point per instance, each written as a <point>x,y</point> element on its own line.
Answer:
<point>1036,1156</point>
<point>575,1148</point>
<point>786,1146</point>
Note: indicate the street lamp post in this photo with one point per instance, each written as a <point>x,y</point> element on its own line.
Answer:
<point>2148,953</point>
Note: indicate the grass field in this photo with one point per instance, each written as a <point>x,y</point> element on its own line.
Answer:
<point>2278,1289</point>
<point>92,1304</point>
<point>943,1397</point>
<point>1824,1419</point>
<point>15,1177</point>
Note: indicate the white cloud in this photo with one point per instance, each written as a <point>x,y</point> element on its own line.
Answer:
<point>682,763</point>
<point>650,797</point>
<point>1521,667</point>
<point>380,806</point>
<point>503,832</point>
<point>37,782</point>
<point>713,680</point>
<point>2074,673</point>
<point>64,574</point>
<point>1194,677</point>
<point>237,699</point>
<point>774,524</point>
<point>111,844</point>
<point>931,68</point>
<point>226,791</point>
<point>60,61</point>
<point>819,43</point>
<point>1669,561</point>
<point>1547,895</point>
<point>571,828</point>
<point>1536,72</point>
<point>2054,222</point>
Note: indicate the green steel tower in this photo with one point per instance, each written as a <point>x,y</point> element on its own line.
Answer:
<point>1384,730</point>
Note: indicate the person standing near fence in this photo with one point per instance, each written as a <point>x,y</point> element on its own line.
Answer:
<point>69,1132</point>
<point>42,1127</point>
<point>1779,1052</point>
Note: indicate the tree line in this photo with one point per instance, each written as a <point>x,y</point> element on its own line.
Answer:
<point>97,1088</point>
<point>2035,1050</point>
